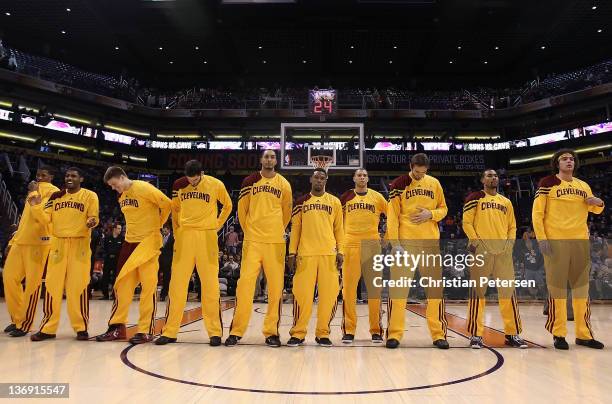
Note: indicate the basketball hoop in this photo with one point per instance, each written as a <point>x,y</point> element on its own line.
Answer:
<point>321,161</point>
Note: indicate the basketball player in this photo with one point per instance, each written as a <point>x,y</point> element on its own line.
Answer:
<point>489,223</point>
<point>264,211</point>
<point>317,235</point>
<point>416,205</point>
<point>195,221</point>
<point>146,209</point>
<point>560,210</point>
<point>72,213</point>
<point>362,208</point>
<point>29,249</point>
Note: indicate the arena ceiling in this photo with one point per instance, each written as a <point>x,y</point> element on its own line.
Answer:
<point>413,43</point>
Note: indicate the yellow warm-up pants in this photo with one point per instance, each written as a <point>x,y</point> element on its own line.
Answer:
<point>24,262</point>
<point>137,263</point>
<point>354,258</point>
<point>197,248</point>
<point>435,312</point>
<point>321,271</point>
<point>570,261</point>
<point>256,255</point>
<point>494,266</point>
<point>68,266</point>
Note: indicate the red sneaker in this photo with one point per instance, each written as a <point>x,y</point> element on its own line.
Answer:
<point>115,332</point>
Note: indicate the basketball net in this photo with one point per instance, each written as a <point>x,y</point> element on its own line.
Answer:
<point>321,161</point>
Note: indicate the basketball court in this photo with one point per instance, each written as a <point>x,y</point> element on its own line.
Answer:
<point>191,371</point>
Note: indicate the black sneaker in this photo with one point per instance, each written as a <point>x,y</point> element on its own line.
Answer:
<point>326,342</point>
<point>18,333</point>
<point>515,342</point>
<point>294,341</point>
<point>348,338</point>
<point>273,341</point>
<point>560,343</point>
<point>392,343</point>
<point>41,336</point>
<point>232,340</point>
<point>141,338</point>
<point>441,343</point>
<point>591,343</point>
<point>82,336</point>
<point>163,340</point>
<point>476,342</point>
<point>215,341</point>
<point>377,339</point>
<point>10,327</point>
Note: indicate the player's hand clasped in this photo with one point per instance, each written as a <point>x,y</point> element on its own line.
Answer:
<point>339,261</point>
<point>594,201</point>
<point>291,261</point>
<point>422,216</point>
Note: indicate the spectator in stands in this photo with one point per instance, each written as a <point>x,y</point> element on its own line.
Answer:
<point>165,261</point>
<point>532,264</point>
<point>231,241</point>
<point>111,248</point>
<point>230,270</point>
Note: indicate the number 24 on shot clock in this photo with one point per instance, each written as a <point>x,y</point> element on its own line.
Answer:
<point>322,102</point>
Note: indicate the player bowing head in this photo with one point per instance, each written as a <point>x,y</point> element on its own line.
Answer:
<point>117,179</point>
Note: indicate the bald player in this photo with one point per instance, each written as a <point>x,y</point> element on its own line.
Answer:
<point>489,223</point>
<point>27,257</point>
<point>361,209</point>
<point>72,213</point>
<point>146,209</point>
<point>317,236</point>
<point>264,211</point>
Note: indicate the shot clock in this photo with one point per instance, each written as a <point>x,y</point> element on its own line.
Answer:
<point>322,102</point>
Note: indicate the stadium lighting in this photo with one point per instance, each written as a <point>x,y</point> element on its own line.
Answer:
<point>178,136</point>
<point>68,146</point>
<point>549,155</point>
<point>17,137</point>
<point>126,130</point>
<point>475,137</point>
<point>6,104</point>
<point>228,136</point>
<point>72,118</point>
<point>107,153</point>
<point>137,158</point>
